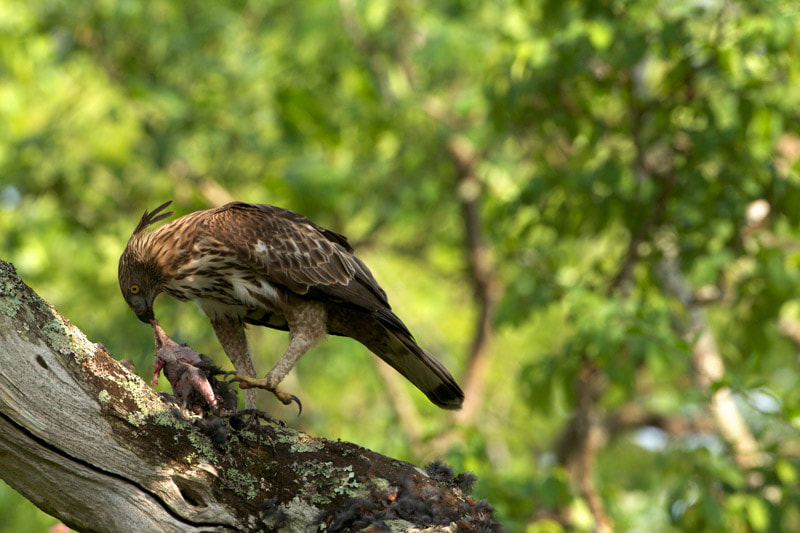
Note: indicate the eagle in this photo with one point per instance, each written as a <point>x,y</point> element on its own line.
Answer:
<point>253,264</point>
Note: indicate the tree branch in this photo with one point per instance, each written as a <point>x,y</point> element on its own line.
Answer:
<point>482,277</point>
<point>708,367</point>
<point>469,191</point>
<point>401,401</point>
<point>86,440</point>
<point>584,435</point>
<point>631,416</point>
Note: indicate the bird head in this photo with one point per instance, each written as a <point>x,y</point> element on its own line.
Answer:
<point>140,277</point>
<point>140,284</point>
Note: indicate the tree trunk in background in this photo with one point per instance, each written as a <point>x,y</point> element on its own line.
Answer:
<point>87,441</point>
<point>482,276</point>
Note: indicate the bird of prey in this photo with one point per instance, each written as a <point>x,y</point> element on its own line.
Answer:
<point>263,265</point>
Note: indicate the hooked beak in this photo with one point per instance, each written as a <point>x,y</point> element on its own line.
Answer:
<point>145,316</point>
<point>144,312</point>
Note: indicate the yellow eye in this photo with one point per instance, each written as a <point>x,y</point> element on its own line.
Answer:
<point>134,289</point>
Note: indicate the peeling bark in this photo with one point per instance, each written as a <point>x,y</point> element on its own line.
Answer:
<point>87,441</point>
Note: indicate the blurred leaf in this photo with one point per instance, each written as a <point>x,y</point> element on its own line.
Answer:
<point>605,135</point>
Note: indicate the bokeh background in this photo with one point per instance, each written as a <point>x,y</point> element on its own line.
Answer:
<point>588,210</point>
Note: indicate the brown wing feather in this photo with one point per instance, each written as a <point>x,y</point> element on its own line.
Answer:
<point>289,249</point>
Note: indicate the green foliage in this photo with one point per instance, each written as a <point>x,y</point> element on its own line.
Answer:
<point>21,515</point>
<point>607,136</point>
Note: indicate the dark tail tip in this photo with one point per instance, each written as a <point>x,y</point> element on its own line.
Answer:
<point>447,396</point>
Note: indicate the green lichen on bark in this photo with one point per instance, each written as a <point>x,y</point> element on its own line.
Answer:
<point>304,444</point>
<point>297,515</point>
<point>401,525</point>
<point>55,333</point>
<point>204,448</point>
<point>245,485</point>
<point>329,481</point>
<point>9,300</point>
<point>9,305</point>
<point>39,317</point>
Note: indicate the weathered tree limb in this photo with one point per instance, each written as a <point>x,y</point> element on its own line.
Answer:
<point>86,440</point>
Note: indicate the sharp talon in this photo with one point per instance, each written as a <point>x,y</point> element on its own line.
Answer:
<point>287,399</point>
<point>299,404</point>
<point>246,382</point>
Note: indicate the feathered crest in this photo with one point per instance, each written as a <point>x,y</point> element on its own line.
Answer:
<point>151,217</point>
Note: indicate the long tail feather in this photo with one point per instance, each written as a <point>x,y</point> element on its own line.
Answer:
<point>424,371</point>
<point>394,344</point>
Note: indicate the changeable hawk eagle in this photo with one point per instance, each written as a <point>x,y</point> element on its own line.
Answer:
<point>263,265</point>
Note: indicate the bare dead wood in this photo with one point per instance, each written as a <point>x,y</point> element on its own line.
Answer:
<point>86,440</point>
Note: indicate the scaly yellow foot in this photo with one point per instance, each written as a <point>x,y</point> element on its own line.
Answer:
<point>248,382</point>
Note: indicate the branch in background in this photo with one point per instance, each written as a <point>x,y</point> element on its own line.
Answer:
<point>631,416</point>
<point>401,401</point>
<point>584,434</point>
<point>790,328</point>
<point>468,193</point>
<point>642,169</point>
<point>577,447</point>
<point>406,412</point>
<point>482,277</point>
<point>707,365</point>
<point>362,43</point>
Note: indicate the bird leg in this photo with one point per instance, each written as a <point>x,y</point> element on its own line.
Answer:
<point>231,335</point>
<point>298,345</point>
<point>307,325</point>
